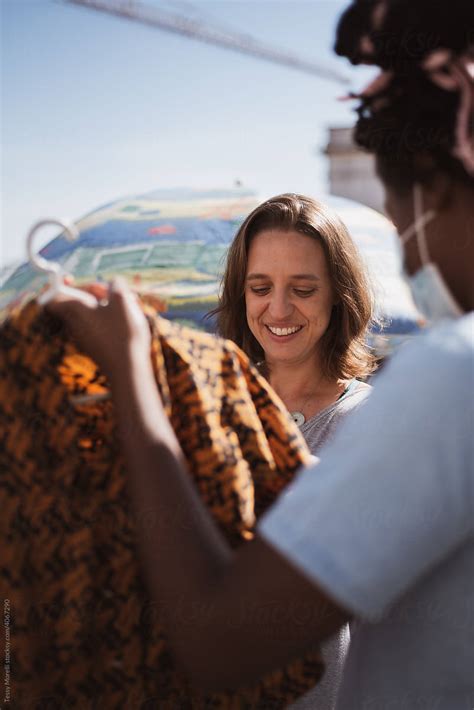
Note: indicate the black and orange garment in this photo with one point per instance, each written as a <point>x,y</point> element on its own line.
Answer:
<point>84,632</point>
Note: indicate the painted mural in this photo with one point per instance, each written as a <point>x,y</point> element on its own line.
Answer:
<point>173,244</point>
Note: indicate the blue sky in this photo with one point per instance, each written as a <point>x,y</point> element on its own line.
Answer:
<point>95,107</point>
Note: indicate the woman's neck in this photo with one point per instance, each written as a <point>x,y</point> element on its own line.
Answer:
<point>294,381</point>
<point>457,252</point>
<point>303,388</point>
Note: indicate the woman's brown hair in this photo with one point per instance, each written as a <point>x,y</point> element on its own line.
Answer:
<point>345,353</point>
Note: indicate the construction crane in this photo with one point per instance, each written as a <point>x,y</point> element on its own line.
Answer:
<point>245,44</point>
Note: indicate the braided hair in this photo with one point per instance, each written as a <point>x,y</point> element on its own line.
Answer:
<point>418,115</point>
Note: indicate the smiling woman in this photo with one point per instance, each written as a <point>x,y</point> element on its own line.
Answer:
<point>295,296</point>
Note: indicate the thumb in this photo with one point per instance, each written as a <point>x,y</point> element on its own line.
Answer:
<point>74,297</point>
<point>74,301</point>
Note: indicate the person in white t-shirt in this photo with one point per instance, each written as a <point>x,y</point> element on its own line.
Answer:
<point>381,531</point>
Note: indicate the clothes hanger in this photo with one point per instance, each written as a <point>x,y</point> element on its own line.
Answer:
<point>56,280</point>
<point>46,266</point>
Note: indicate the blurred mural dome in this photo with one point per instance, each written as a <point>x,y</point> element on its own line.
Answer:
<point>172,244</point>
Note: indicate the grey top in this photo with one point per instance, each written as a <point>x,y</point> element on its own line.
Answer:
<point>385,524</point>
<point>320,429</point>
<point>317,431</point>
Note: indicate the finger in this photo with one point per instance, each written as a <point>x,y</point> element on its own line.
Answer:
<point>99,290</point>
<point>62,303</point>
<point>121,294</point>
<point>119,286</point>
<point>126,303</point>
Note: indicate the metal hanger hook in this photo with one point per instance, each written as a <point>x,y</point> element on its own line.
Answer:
<point>39,262</point>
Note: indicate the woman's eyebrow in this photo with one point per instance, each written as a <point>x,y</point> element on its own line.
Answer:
<point>252,277</point>
<point>306,277</point>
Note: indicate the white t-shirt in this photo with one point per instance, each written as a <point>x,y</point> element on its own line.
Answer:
<point>385,525</point>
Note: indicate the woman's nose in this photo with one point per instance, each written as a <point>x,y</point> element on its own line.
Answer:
<point>280,306</point>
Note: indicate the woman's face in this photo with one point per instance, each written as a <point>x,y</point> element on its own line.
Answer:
<point>288,295</point>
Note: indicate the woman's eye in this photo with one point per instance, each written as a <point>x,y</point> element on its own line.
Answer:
<point>304,292</point>
<point>260,290</point>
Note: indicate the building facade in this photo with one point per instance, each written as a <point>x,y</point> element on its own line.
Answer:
<point>352,170</point>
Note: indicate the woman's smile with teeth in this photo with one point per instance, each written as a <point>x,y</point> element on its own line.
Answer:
<point>284,331</point>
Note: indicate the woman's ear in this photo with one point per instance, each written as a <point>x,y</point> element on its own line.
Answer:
<point>437,185</point>
<point>440,192</point>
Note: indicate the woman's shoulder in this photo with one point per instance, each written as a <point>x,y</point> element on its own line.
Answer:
<point>356,387</point>
<point>354,395</point>
<point>320,428</point>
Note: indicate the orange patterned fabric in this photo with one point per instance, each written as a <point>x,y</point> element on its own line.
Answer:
<point>84,632</point>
